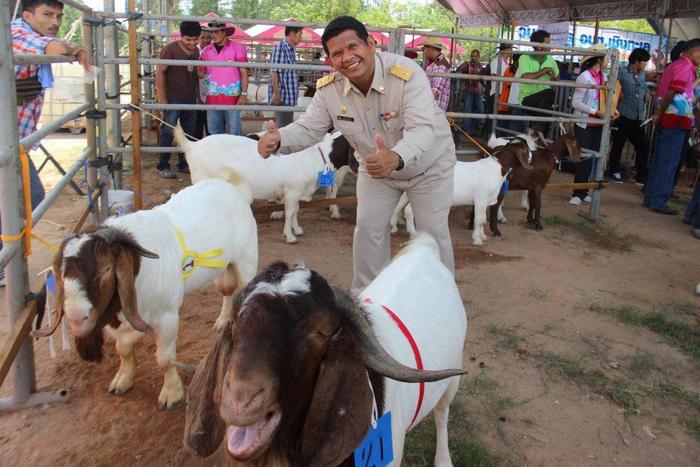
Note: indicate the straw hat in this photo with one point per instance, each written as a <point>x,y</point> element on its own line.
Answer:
<point>218,26</point>
<point>434,42</point>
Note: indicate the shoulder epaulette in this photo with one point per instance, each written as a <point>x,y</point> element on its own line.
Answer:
<point>328,79</point>
<point>401,71</point>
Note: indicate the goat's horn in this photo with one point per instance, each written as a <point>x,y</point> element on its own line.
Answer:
<point>374,355</point>
<point>112,235</point>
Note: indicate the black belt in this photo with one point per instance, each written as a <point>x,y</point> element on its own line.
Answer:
<point>27,89</point>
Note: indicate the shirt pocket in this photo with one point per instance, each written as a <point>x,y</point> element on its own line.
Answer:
<point>393,125</point>
<point>351,130</point>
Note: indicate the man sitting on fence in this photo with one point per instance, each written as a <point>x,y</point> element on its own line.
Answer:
<point>539,67</point>
<point>284,83</point>
<point>34,34</point>
<point>178,85</point>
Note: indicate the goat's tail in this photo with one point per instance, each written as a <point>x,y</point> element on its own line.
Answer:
<point>420,240</point>
<point>180,137</point>
<point>239,181</point>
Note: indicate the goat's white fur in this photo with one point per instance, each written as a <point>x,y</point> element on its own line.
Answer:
<point>475,183</point>
<point>295,281</point>
<point>416,281</point>
<point>290,177</point>
<point>211,214</point>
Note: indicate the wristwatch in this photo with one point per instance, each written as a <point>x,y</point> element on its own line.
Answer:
<point>401,164</point>
<point>244,94</point>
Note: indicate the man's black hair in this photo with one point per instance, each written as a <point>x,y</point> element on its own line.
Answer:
<point>340,25</point>
<point>290,29</point>
<point>190,29</point>
<point>639,55</point>
<point>539,36</point>
<point>475,50</point>
<point>30,5</point>
<point>691,44</point>
<point>677,50</point>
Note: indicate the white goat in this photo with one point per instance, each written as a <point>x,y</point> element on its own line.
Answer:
<point>475,183</point>
<point>298,386</point>
<point>291,177</point>
<point>130,275</point>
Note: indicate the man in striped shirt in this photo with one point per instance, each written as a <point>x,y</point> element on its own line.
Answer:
<point>436,62</point>
<point>284,89</point>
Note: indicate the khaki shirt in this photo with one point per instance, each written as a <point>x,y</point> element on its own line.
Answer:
<point>399,106</point>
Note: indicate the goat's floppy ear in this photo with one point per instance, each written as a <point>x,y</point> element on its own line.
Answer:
<point>125,269</point>
<point>204,427</point>
<point>522,154</point>
<point>341,405</point>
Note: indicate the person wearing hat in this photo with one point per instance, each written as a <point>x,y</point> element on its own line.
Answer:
<point>178,85</point>
<point>590,103</point>
<point>224,85</point>
<point>383,105</point>
<point>435,62</point>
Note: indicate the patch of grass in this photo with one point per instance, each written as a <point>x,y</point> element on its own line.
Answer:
<point>598,233</point>
<point>641,364</point>
<point>619,391</point>
<point>506,336</point>
<point>540,294</point>
<point>681,307</point>
<point>693,426</point>
<point>680,335</point>
<point>465,447</point>
<point>473,453</point>
<point>667,390</point>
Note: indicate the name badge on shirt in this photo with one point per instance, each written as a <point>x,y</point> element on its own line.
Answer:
<point>345,118</point>
<point>376,450</point>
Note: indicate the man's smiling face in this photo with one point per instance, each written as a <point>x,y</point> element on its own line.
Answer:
<point>352,57</point>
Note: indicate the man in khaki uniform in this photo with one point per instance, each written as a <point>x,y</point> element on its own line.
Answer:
<point>383,105</point>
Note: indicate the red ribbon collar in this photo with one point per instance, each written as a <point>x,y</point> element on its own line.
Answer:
<point>416,354</point>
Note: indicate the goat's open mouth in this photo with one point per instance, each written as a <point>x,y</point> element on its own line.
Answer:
<point>244,442</point>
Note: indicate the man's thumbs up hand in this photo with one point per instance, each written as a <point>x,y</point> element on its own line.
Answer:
<point>383,161</point>
<point>270,141</point>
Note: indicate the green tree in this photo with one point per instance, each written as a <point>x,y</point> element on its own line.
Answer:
<point>70,16</point>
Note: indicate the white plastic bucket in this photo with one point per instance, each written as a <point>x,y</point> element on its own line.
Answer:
<point>120,202</point>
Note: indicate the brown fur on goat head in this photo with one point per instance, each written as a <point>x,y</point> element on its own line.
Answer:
<point>95,274</point>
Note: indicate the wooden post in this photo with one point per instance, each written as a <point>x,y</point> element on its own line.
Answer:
<point>135,113</point>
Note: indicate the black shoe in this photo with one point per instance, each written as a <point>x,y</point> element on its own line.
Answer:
<point>665,210</point>
<point>645,204</point>
<point>184,170</point>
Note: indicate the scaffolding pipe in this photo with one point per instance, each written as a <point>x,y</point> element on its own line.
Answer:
<point>135,113</point>
<point>112,88</point>
<point>49,128</point>
<point>41,59</point>
<point>90,127</point>
<point>101,122</point>
<point>13,217</point>
<point>605,138</point>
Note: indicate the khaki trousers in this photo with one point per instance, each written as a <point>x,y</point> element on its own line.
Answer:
<point>430,194</point>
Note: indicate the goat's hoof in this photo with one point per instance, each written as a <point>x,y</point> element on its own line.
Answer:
<point>477,243</point>
<point>538,226</point>
<point>171,400</point>
<point>394,229</point>
<point>173,406</point>
<point>120,385</point>
<point>334,212</point>
<point>291,239</point>
<point>502,220</point>
<point>299,232</point>
<point>497,233</point>
<point>277,215</point>
<point>336,217</point>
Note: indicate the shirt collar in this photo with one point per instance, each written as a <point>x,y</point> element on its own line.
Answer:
<point>377,81</point>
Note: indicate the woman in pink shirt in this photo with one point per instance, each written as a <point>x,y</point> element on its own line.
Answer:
<point>224,85</point>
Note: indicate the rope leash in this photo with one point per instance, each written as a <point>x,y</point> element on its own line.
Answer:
<point>161,120</point>
<point>26,232</point>
<point>475,142</point>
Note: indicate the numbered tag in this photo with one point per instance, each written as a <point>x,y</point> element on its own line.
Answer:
<point>376,450</point>
<point>326,178</point>
<point>504,187</point>
<point>51,283</point>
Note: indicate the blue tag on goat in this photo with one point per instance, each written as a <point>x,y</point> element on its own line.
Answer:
<point>51,283</point>
<point>504,188</point>
<point>326,178</point>
<point>376,450</point>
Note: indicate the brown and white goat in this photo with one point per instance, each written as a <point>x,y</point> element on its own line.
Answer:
<point>291,381</point>
<point>544,159</point>
<point>130,276</point>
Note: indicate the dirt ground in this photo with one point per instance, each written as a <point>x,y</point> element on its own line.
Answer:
<point>583,345</point>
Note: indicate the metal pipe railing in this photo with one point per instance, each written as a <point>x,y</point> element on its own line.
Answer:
<point>55,192</point>
<point>41,59</point>
<point>261,65</point>
<point>49,128</point>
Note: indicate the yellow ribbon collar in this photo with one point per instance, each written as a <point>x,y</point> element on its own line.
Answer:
<point>191,260</point>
